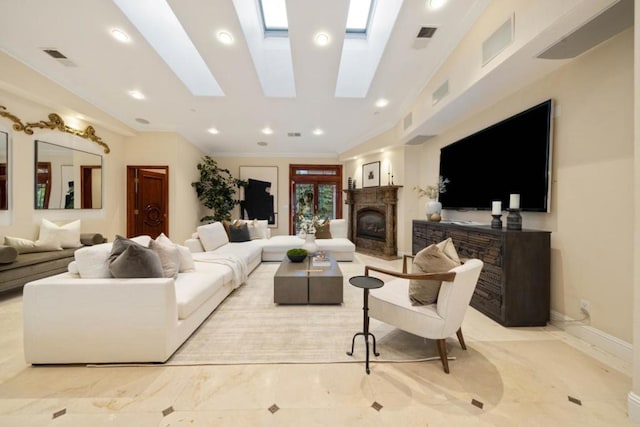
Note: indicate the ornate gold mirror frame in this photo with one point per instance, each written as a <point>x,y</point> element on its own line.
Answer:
<point>55,123</point>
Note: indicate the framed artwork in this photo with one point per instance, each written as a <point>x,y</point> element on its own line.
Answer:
<point>259,200</point>
<point>371,174</point>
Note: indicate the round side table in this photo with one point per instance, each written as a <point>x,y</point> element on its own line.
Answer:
<point>366,283</point>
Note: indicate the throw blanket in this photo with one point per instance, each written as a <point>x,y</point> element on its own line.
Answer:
<point>237,265</point>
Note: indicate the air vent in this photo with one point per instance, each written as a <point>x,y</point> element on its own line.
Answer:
<point>498,41</point>
<point>419,139</point>
<point>293,134</point>
<point>59,56</point>
<point>440,93</point>
<point>426,32</point>
<point>408,120</point>
<point>55,54</point>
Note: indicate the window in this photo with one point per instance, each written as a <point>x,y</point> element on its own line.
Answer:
<point>274,17</point>
<point>359,16</point>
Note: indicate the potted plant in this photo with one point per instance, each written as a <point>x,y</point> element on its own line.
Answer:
<point>297,254</point>
<point>216,189</point>
<point>433,207</point>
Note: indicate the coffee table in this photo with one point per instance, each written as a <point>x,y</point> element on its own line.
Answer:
<point>308,282</point>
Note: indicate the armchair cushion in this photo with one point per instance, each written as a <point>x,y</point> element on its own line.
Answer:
<point>432,259</point>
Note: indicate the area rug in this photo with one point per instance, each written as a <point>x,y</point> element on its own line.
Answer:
<point>248,328</point>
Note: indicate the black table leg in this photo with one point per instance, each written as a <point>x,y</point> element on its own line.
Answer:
<point>365,333</point>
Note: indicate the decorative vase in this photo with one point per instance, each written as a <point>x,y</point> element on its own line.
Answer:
<point>310,243</point>
<point>433,208</point>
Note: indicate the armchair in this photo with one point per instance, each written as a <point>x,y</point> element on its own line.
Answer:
<point>437,321</point>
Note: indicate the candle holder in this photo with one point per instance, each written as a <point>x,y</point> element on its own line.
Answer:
<point>514,220</point>
<point>496,222</point>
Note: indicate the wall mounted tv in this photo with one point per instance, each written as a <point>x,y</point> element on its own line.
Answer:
<point>512,156</point>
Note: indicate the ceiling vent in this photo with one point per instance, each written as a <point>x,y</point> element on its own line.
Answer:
<point>604,26</point>
<point>440,93</point>
<point>293,134</point>
<point>423,37</point>
<point>498,41</point>
<point>408,120</point>
<point>59,56</point>
<point>419,139</point>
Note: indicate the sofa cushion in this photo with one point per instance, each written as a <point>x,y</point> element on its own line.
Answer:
<point>323,229</point>
<point>239,232</point>
<point>212,236</point>
<point>339,228</point>
<point>8,254</point>
<point>336,245</point>
<point>431,259</point>
<point>93,261</point>
<point>169,257</point>
<point>186,260</point>
<point>194,288</point>
<point>67,235</point>
<point>135,261</point>
<point>25,246</point>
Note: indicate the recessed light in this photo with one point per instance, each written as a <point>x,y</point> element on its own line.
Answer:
<point>436,4</point>
<point>262,143</point>
<point>317,131</point>
<point>321,39</point>
<point>382,102</point>
<point>119,35</point>
<point>267,131</point>
<point>136,94</point>
<point>225,37</point>
<point>213,131</point>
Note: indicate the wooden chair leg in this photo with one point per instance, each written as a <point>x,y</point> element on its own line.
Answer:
<point>461,339</point>
<point>442,349</point>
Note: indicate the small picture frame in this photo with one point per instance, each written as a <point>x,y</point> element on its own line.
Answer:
<point>371,174</point>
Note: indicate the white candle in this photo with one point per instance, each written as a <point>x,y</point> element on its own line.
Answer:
<point>514,201</point>
<point>496,208</point>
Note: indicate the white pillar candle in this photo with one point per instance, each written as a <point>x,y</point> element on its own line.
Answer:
<point>496,208</point>
<point>514,201</point>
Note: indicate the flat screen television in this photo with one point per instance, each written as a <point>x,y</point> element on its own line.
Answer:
<point>509,157</point>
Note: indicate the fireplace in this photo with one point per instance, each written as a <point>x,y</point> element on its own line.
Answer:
<point>373,220</point>
<point>371,224</point>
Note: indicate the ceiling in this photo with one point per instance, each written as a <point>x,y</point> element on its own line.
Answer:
<point>253,94</point>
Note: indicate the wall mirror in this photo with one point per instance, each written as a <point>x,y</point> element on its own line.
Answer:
<point>66,178</point>
<point>4,170</point>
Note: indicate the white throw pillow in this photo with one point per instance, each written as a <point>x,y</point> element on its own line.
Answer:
<point>338,228</point>
<point>25,246</point>
<point>257,228</point>
<point>72,268</point>
<point>143,240</point>
<point>67,235</point>
<point>212,236</point>
<point>93,261</point>
<point>186,259</point>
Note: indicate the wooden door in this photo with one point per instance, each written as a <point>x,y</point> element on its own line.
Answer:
<point>147,200</point>
<point>314,190</point>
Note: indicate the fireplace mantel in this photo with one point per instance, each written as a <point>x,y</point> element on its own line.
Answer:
<point>382,199</point>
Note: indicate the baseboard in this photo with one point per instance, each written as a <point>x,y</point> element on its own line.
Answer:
<point>633,407</point>
<point>599,339</point>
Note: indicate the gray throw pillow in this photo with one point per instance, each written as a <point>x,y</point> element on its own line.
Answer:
<point>169,257</point>
<point>120,244</point>
<point>8,254</point>
<point>239,232</point>
<point>431,259</point>
<point>136,261</point>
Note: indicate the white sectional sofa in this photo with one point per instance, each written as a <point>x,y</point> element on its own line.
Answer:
<point>86,316</point>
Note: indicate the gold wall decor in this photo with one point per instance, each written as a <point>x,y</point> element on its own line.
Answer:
<point>55,122</point>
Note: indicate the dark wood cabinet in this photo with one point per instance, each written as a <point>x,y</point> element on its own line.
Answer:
<point>514,285</point>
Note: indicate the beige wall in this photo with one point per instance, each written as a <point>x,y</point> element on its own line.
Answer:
<point>170,149</point>
<point>634,395</point>
<point>22,220</point>
<point>591,216</point>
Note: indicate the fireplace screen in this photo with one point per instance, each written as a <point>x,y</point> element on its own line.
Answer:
<point>371,225</point>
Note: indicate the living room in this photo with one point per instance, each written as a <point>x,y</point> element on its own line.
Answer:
<point>593,164</point>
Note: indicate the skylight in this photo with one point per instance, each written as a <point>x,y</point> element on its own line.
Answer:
<point>274,16</point>
<point>358,17</point>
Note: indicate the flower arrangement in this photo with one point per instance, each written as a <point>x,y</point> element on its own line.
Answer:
<point>307,225</point>
<point>432,191</point>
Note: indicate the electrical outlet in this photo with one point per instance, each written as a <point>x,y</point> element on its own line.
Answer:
<point>585,306</point>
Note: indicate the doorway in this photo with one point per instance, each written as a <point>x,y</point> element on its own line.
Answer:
<point>147,200</point>
<point>315,190</point>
